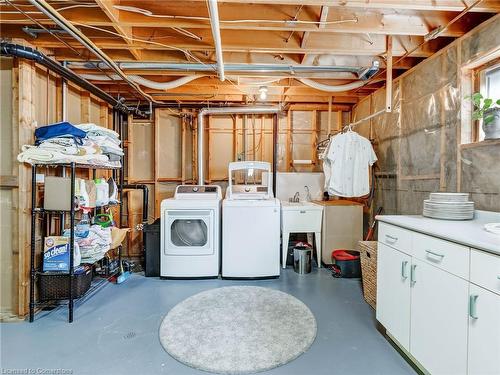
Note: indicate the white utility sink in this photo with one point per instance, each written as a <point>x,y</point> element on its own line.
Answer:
<point>301,217</point>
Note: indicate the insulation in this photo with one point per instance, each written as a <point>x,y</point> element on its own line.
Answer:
<point>418,144</point>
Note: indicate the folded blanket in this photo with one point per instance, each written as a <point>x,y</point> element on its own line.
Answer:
<point>39,155</point>
<point>93,129</point>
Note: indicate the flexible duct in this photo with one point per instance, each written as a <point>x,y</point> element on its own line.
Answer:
<point>330,88</point>
<point>144,81</point>
<point>222,111</point>
<point>214,23</point>
<point>15,50</point>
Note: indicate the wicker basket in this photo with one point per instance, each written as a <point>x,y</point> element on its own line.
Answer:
<point>55,286</point>
<point>368,252</point>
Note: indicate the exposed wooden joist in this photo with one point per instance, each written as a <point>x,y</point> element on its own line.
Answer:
<point>438,5</point>
<point>263,42</point>
<point>341,20</point>
<point>322,19</point>
<point>124,31</point>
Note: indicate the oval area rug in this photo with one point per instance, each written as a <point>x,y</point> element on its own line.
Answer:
<point>238,330</point>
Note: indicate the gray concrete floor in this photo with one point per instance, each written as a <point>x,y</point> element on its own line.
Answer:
<point>116,331</point>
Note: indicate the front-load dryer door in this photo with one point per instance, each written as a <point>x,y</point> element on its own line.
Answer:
<point>189,232</point>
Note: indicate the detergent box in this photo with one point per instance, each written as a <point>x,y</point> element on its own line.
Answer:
<point>56,254</point>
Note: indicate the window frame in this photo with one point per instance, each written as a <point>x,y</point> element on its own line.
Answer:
<point>479,85</point>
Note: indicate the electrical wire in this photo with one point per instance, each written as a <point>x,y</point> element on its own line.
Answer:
<point>43,27</point>
<point>134,39</point>
<point>148,13</point>
<point>162,45</point>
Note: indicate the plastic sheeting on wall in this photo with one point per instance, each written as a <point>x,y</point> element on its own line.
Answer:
<point>418,144</point>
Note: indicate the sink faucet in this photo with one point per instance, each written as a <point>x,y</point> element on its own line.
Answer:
<point>308,194</point>
<point>296,198</point>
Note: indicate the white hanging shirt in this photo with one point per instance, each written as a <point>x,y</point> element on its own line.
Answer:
<point>346,164</point>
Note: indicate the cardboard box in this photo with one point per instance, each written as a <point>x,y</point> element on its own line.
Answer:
<point>56,254</point>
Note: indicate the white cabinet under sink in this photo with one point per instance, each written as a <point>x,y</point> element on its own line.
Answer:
<point>440,301</point>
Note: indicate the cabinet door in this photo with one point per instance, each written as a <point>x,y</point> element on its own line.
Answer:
<point>484,332</point>
<point>439,310</point>
<point>393,293</point>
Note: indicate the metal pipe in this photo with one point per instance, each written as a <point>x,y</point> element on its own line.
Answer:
<point>222,111</point>
<point>15,50</point>
<point>196,67</point>
<point>214,23</point>
<point>145,198</point>
<point>64,97</point>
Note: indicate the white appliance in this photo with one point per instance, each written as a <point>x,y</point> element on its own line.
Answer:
<point>251,223</point>
<point>190,232</point>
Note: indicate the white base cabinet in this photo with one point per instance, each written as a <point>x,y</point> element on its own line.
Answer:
<point>393,293</point>
<point>484,332</point>
<point>440,301</point>
<point>438,323</point>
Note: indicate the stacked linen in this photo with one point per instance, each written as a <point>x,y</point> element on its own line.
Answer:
<point>66,143</point>
<point>62,150</point>
<point>107,139</point>
<point>95,244</point>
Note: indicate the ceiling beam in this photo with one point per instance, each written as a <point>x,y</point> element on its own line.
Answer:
<point>124,31</point>
<point>261,42</point>
<point>353,21</point>
<point>438,5</point>
<point>322,19</point>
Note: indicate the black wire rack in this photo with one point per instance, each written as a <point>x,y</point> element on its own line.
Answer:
<point>39,211</point>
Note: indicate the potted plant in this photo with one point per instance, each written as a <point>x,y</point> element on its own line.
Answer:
<point>489,111</point>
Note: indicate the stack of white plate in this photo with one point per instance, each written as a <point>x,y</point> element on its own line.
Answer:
<point>449,206</point>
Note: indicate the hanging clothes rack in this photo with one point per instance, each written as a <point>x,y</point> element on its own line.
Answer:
<point>324,142</point>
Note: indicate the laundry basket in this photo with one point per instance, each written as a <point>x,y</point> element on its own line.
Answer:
<point>368,252</point>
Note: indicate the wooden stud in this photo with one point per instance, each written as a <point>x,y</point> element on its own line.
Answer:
<point>329,122</point>
<point>289,145</point>
<point>314,140</point>
<point>183,149</point>
<point>339,121</point>
<point>388,80</point>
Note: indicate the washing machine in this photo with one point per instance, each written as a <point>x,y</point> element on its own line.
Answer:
<point>250,223</point>
<point>190,233</point>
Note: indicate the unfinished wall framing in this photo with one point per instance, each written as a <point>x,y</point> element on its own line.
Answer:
<point>422,145</point>
<point>31,96</point>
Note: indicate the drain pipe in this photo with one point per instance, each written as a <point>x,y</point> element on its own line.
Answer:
<point>229,111</point>
<point>214,22</point>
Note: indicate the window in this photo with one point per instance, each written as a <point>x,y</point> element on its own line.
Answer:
<point>491,82</point>
<point>487,82</point>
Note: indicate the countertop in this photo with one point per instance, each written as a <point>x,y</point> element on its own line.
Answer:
<point>467,232</point>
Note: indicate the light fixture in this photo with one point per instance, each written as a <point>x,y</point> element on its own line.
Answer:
<point>263,92</point>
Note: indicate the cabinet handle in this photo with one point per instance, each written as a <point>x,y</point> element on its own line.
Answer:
<point>413,279</point>
<point>430,252</point>
<point>404,273</point>
<point>302,212</point>
<point>498,277</point>
<point>391,238</point>
<point>472,306</point>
